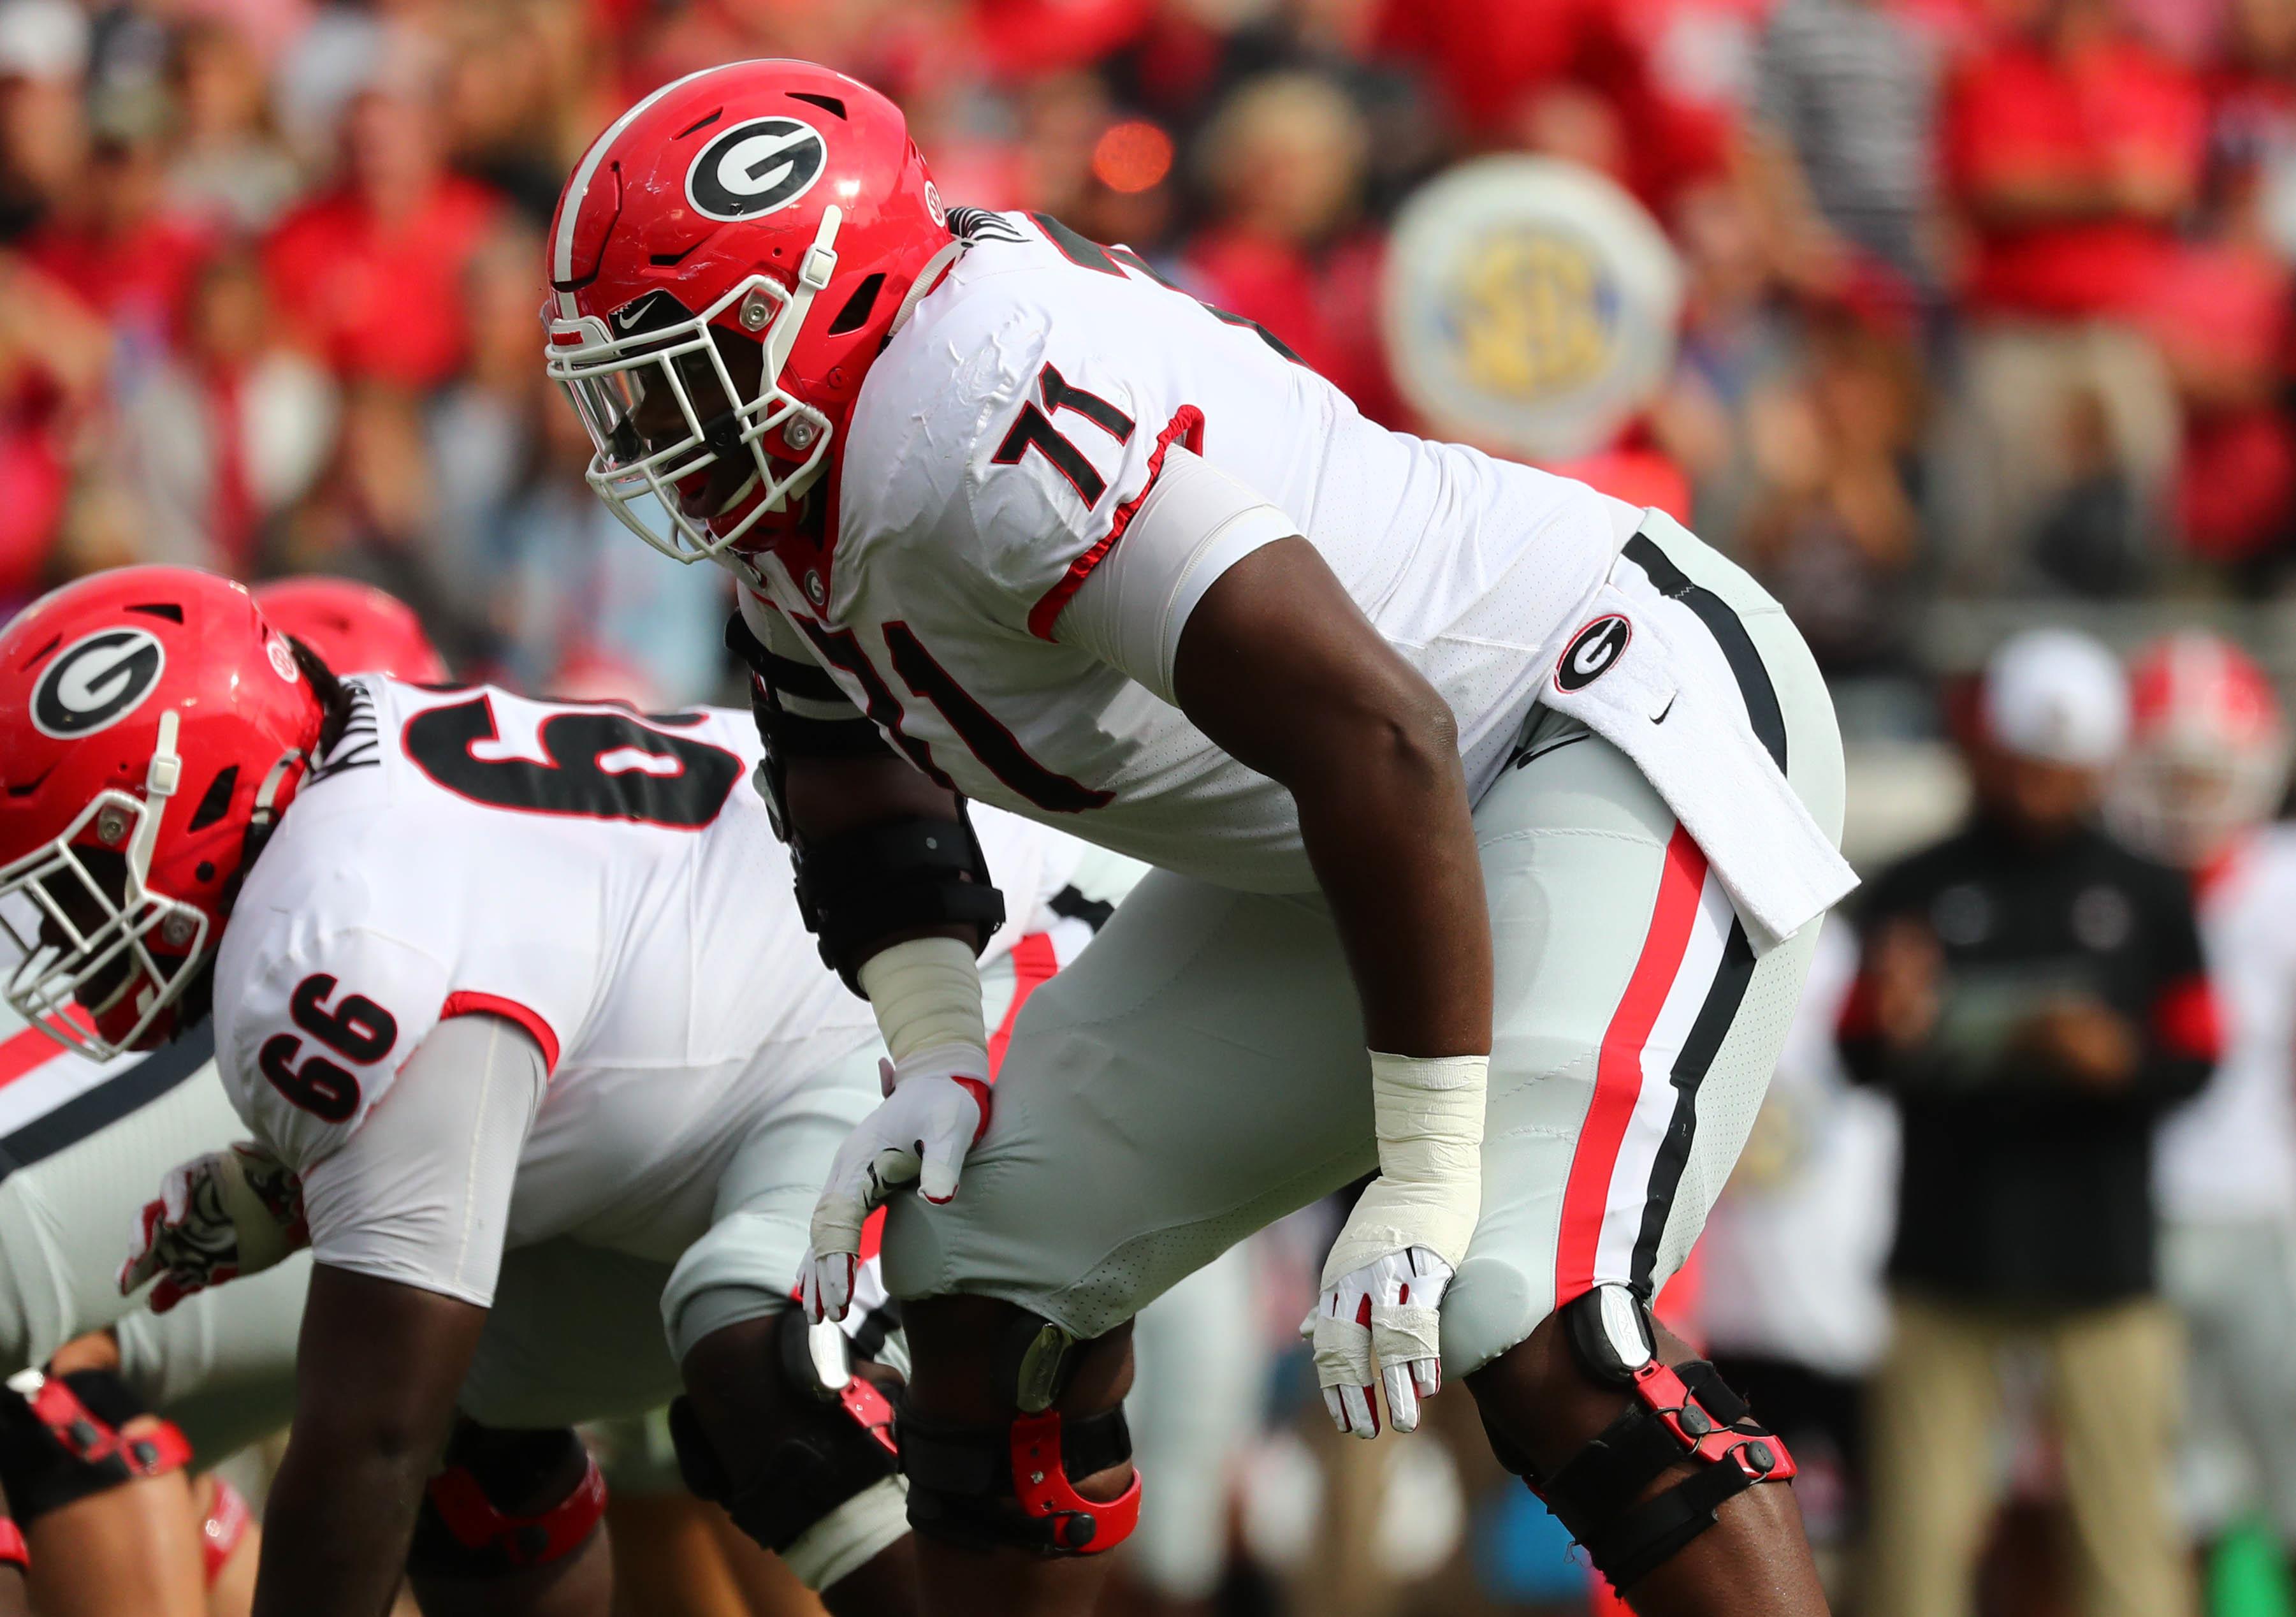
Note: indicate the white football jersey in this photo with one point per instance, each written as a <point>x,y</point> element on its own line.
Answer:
<point>607,881</point>
<point>1000,445</point>
<point>2232,1153</point>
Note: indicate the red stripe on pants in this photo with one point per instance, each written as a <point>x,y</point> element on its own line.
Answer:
<point>1619,1069</point>
<point>1033,965</point>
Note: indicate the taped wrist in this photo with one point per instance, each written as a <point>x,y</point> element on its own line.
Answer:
<point>926,993</point>
<point>61,1440</point>
<point>858,888</point>
<point>1428,1112</point>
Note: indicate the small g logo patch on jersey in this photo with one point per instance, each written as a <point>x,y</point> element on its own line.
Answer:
<point>755,167</point>
<point>1592,651</point>
<point>97,681</point>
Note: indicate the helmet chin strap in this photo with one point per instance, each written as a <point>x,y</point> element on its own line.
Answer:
<point>813,273</point>
<point>927,279</point>
<point>159,784</point>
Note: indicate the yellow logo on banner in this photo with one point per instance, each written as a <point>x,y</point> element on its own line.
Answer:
<point>1532,312</point>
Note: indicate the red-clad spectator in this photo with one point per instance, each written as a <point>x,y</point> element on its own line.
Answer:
<point>2221,318</point>
<point>114,240</point>
<point>1537,72</point>
<point>1285,162</point>
<point>53,355</point>
<point>370,273</point>
<point>2071,146</point>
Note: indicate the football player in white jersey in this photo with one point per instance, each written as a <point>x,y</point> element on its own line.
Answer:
<point>1494,821</point>
<point>2206,761</point>
<point>81,1145</point>
<point>460,999</point>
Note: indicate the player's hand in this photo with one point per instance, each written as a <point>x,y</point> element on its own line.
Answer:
<point>229,1214</point>
<point>1386,1311</point>
<point>936,1107</point>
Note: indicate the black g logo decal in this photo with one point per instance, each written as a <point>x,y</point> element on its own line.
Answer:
<point>1591,652</point>
<point>755,167</point>
<point>97,682</point>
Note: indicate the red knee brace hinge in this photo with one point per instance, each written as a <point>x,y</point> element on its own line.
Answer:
<point>534,1540</point>
<point>151,1453</point>
<point>1761,1456</point>
<point>1040,1482</point>
<point>871,1411</point>
<point>13,1551</point>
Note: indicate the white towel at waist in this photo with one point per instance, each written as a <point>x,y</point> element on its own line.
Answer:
<point>1669,700</point>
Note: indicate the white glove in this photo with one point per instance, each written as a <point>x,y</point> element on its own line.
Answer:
<point>218,1217</point>
<point>936,1107</point>
<point>1386,1310</point>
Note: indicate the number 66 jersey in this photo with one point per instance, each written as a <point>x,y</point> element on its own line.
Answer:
<point>607,882</point>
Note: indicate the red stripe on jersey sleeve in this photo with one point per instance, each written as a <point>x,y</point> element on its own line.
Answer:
<point>1187,427</point>
<point>467,1004</point>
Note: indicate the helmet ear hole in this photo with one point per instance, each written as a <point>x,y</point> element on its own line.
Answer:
<point>217,801</point>
<point>859,307</point>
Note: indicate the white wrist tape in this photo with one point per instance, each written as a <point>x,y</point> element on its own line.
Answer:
<point>926,993</point>
<point>1428,1112</point>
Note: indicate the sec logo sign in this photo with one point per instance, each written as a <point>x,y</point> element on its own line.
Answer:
<point>1592,653</point>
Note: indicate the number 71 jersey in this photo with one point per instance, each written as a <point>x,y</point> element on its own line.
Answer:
<point>607,881</point>
<point>1001,458</point>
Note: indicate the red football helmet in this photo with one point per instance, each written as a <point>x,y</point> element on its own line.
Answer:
<point>355,628</point>
<point>2208,752</point>
<point>726,263</point>
<point>150,720</point>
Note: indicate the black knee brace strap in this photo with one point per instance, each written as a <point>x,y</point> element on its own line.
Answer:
<point>1681,1413</point>
<point>59,1440</point>
<point>463,1532</point>
<point>1010,1487</point>
<point>828,1458</point>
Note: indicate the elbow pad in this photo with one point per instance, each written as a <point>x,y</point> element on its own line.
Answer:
<point>858,888</point>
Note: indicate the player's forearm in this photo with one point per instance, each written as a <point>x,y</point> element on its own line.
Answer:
<point>1388,828</point>
<point>336,1531</point>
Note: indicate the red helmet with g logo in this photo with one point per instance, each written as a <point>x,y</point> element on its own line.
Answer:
<point>726,263</point>
<point>2207,749</point>
<point>355,628</point>
<point>150,720</point>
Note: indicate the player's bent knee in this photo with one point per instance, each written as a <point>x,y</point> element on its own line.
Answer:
<point>823,1490</point>
<point>1027,1480</point>
<point>1675,1418</point>
<point>63,1438</point>
<point>505,1502</point>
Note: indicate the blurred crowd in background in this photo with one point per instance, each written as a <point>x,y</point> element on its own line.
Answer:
<point>1985,318</point>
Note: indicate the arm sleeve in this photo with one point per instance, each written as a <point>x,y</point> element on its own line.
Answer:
<point>421,1195</point>
<point>1195,524</point>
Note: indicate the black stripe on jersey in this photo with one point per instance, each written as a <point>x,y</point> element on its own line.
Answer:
<point>1059,395</point>
<point>357,747</point>
<point>972,225</point>
<point>1073,905</point>
<point>1076,248</point>
<point>105,1104</point>
<point>1745,663</point>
